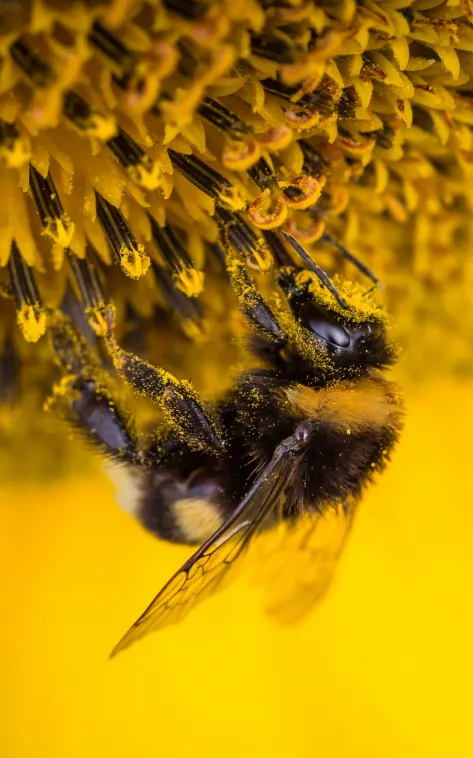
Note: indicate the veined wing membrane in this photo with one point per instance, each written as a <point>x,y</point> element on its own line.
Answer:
<point>204,572</point>
<point>296,562</point>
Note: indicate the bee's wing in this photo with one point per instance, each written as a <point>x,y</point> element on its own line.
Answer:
<point>296,561</point>
<point>206,569</point>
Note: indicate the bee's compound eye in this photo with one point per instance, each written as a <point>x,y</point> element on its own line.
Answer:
<point>323,325</point>
<point>365,332</point>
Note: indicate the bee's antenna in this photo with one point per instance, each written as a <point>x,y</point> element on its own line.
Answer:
<point>326,237</point>
<point>277,248</point>
<point>315,268</point>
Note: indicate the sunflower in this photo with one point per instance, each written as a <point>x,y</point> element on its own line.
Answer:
<point>152,151</point>
<point>147,146</point>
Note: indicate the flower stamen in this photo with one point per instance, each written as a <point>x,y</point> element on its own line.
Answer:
<point>235,231</point>
<point>301,192</point>
<point>128,253</point>
<point>35,68</point>
<point>206,179</point>
<point>262,174</point>
<point>88,119</point>
<point>187,309</point>
<point>114,50</point>
<point>185,275</point>
<point>274,48</point>
<point>85,276</point>
<point>191,9</point>
<point>314,164</point>
<point>140,166</point>
<point>319,100</point>
<point>30,313</point>
<point>56,223</point>
<point>222,118</point>
<point>13,149</point>
<point>268,211</point>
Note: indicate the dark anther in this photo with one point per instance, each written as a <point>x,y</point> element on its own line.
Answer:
<point>30,313</point>
<point>293,193</point>
<point>187,278</point>
<point>76,109</point>
<point>234,230</point>
<point>126,150</point>
<point>262,174</point>
<point>23,284</point>
<point>87,281</point>
<point>191,9</point>
<point>274,48</point>
<point>200,174</point>
<point>47,200</point>
<point>222,118</point>
<point>113,49</point>
<point>319,100</point>
<point>314,164</point>
<point>38,71</point>
<point>8,134</point>
<point>219,254</point>
<point>128,253</point>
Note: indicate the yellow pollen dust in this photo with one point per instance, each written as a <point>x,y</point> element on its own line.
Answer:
<point>231,198</point>
<point>354,120</point>
<point>261,260</point>
<point>17,155</point>
<point>97,320</point>
<point>32,321</point>
<point>190,282</point>
<point>134,263</point>
<point>60,230</point>
<point>101,127</point>
<point>148,177</point>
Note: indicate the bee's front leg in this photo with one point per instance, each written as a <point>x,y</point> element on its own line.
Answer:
<point>177,399</point>
<point>84,397</point>
<point>254,307</point>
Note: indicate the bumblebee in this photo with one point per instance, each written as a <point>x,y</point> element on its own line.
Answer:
<point>292,442</point>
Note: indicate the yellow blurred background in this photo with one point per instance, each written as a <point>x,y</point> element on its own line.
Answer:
<point>383,668</point>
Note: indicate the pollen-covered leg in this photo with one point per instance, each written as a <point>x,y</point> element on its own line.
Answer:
<point>84,396</point>
<point>254,307</point>
<point>177,399</point>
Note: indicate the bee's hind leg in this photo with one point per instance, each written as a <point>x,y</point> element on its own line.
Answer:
<point>84,397</point>
<point>177,399</point>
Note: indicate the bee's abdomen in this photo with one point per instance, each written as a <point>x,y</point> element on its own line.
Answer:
<point>184,510</point>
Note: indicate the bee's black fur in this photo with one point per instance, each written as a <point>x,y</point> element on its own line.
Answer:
<point>325,375</point>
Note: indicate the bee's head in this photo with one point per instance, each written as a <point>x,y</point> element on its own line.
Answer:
<point>351,344</point>
<point>353,338</point>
